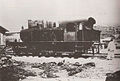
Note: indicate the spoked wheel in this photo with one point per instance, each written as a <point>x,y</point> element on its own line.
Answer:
<point>16,51</point>
<point>47,54</point>
<point>35,53</point>
<point>77,54</point>
<point>71,55</point>
<point>44,54</point>
<point>58,54</point>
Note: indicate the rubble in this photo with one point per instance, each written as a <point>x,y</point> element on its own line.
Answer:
<point>89,65</point>
<point>113,76</point>
<point>46,74</point>
<point>75,71</point>
<point>76,68</point>
<point>51,68</point>
<point>11,70</point>
<point>36,65</point>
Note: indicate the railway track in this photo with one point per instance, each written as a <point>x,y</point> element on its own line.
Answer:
<point>8,51</point>
<point>62,55</point>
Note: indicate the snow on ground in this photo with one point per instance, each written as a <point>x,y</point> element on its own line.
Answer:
<point>102,66</point>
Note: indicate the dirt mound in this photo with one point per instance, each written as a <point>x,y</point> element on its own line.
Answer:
<point>11,70</point>
<point>113,76</point>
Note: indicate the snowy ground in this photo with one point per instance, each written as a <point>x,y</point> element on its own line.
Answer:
<point>102,66</point>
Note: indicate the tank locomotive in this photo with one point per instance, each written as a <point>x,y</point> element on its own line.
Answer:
<point>72,37</point>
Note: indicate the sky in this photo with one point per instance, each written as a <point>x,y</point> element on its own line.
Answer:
<point>16,13</point>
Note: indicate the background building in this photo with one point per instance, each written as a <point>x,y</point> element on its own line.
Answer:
<point>12,36</point>
<point>2,35</point>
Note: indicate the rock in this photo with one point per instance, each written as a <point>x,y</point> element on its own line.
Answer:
<point>77,64</point>
<point>71,68</point>
<point>89,65</point>
<point>11,71</point>
<point>49,69</point>
<point>61,63</point>
<point>43,75</point>
<point>46,74</point>
<point>113,76</point>
<point>77,70</point>
<point>51,75</point>
<point>8,56</point>
<point>52,63</point>
<point>29,73</point>
<point>36,65</point>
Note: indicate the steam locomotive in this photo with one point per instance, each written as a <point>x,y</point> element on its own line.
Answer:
<point>72,37</point>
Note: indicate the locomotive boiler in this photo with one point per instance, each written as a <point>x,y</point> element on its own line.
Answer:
<point>72,37</point>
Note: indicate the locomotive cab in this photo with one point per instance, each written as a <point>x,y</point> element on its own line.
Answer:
<point>70,32</point>
<point>80,30</point>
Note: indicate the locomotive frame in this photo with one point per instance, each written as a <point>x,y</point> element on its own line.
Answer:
<point>50,48</point>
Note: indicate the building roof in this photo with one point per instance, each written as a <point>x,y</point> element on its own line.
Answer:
<point>3,30</point>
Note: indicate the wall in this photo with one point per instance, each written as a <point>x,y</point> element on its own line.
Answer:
<point>2,39</point>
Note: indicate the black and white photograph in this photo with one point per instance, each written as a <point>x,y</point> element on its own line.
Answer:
<point>59,40</point>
